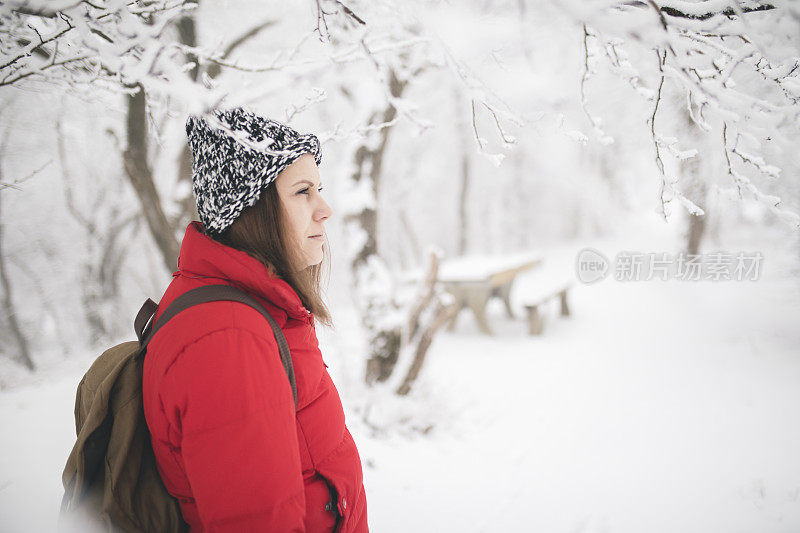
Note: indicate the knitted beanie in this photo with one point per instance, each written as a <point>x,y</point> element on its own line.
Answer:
<point>236,154</point>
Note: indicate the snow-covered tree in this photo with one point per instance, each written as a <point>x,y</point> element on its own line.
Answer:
<point>439,97</point>
<point>735,67</point>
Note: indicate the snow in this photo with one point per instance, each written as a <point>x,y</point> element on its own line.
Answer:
<point>38,430</point>
<point>479,267</point>
<point>657,406</point>
<point>610,421</point>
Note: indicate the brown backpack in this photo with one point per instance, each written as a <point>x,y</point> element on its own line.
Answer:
<point>111,482</point>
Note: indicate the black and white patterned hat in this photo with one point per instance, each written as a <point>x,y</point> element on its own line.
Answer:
<point>236,154</point>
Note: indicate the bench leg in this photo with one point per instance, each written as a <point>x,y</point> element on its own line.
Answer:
<point>535,321</point>
<point>564,304</point>
<point>504,293</point>
<point>477,302</point>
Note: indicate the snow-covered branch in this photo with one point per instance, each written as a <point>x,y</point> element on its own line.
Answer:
<point>734,60</point>
<point>77,43</point>
<point>708,9</point>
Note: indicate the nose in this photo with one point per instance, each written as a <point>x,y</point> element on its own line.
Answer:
<point>323,211</point>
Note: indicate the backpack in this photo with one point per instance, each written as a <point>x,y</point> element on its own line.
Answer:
<point>111,482</point>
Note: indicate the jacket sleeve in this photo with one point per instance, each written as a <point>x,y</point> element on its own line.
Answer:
<point>228,398</point>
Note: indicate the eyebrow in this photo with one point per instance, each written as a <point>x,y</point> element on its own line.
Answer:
<point>306,181</point>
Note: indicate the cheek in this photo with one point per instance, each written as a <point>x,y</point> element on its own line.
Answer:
<point>299,224</point>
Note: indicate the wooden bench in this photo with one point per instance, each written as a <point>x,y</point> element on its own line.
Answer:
<point>474,288</point>
<point>474,279</point>
<point>532,304</point>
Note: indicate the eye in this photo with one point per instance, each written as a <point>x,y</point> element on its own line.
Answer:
<point>306,190</point>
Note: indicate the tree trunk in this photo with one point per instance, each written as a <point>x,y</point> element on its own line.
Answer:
<point>104,255</point>
<point>137,165</point>
<point>696,189</point>
<point>372,279</point>
<point>697,227</point>
<point>10,311</point>
<point>187,34</point>
<point>137,168</point>
<point>464,137</point>
<point>384,342</point>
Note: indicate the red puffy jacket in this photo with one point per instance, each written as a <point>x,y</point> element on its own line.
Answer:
<point>227,440</point>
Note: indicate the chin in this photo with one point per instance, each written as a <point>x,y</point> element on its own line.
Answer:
<point>314,256</point>
<point>315,261</point>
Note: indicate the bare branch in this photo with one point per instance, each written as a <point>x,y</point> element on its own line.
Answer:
<point>66,179</point>
<point>737,178</point>
<point>233,45</point>
<point>9,305</point>
<point>424,297</point>
<point>730,12</point>
<point>134,7</point>
<point>13,80</point>
<point>698,14</point>
<point>349,13</point>
<point>214,70</point>
<point>41,11</point>
<point>15,184</point>
<point>662,59</point>
<point>506,138</point>
<point>743,183</point>
<point>442,314</point>
<point>39,46</point>
<point>755,161</point>
<point>660,14</point>
<point>475,127</point>
<point>322,22</point>
<point>584,78</point>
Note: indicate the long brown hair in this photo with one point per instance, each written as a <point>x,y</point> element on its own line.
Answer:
<point>261,232</point>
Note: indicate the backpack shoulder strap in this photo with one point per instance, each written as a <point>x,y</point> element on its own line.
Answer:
<point>143,318</point>
<point>206,294</point>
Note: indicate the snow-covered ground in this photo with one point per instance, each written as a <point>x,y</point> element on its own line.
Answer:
<point>656,407</point>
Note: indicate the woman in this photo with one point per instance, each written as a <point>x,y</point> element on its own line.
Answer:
<point>228,440</point>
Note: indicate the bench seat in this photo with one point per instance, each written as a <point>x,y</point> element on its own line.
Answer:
<point>533,302</point>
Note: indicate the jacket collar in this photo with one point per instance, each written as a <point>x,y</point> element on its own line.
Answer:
<point>203,257</point>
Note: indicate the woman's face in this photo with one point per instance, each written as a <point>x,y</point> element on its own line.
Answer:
<point>299,187</point>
